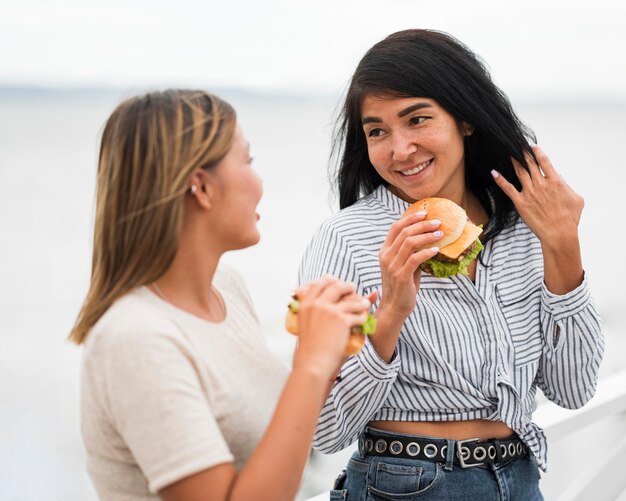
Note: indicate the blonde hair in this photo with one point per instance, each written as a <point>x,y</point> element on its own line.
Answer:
<point>151,144</point>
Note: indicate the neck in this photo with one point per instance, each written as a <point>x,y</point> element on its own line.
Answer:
<point>463,197</point>
<point>460,196</point>
<point>473,207</point>
<point>188,281</point>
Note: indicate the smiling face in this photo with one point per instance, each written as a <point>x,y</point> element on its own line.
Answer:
<point>416,146</point>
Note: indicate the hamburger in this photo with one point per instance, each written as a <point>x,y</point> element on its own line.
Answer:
<point>356,339</point>
<point>459,245</point>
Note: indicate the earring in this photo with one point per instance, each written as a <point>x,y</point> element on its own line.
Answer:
<point>192,189</point>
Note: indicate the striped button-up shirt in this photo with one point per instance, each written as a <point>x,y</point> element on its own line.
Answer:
<point>469,350</point>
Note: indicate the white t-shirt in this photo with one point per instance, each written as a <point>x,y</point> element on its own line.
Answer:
<point>165,394</point>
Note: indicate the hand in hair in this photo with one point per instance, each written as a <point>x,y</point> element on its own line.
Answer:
<point>552,210</point>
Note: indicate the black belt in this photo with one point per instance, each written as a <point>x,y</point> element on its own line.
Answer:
<point>468,452</point>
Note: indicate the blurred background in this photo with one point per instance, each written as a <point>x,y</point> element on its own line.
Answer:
<point>284,65</point>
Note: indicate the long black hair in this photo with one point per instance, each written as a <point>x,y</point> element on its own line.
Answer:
<point>434,65</point>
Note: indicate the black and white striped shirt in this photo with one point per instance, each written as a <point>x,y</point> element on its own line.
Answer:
<point>469,350</point>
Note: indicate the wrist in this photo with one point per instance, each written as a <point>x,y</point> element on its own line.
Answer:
<point>562,265</point>
<point>312,367</point>
<point>388,320</point>
<point>388,327</point>
<point>562,242</point>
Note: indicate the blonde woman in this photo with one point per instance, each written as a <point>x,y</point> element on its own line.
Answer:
<point>181,398</point>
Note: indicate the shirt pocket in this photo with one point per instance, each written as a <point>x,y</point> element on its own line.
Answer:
<point>520,309</point>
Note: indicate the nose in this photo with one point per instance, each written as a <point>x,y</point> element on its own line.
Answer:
<point>259,183</point>
<point>403,145</point>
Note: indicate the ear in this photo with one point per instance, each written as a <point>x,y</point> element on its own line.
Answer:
<point>468,129</point>
<point>202,188</point>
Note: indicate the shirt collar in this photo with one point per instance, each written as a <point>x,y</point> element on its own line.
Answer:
<point>392,202</point>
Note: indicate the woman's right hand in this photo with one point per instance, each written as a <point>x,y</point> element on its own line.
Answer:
<point>410,242</point>
<point>328,309</point>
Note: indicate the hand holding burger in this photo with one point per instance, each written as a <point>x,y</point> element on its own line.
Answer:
<point>459,245</point>
<point>353,307</point>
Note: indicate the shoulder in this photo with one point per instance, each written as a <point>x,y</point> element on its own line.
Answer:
<point>348,242</point>
<point>367,214</point>
<point>132,327</point>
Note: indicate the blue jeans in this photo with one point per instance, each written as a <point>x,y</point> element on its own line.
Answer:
<point>374,478</point>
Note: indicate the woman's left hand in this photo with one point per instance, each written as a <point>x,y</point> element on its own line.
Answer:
<point>547,204</point>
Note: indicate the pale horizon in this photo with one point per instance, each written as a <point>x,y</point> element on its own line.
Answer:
<point>557,50</point>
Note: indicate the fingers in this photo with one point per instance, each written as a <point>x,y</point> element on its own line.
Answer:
<point>417,259</point>
<point>544,162</point>
<point>329,290</point>
<point>401,224</point>
<point>355,319</point>
<point>357,305</point>
<point>509,190</point>
<point>312,290</point>
<point>338,290</point>
<point>539,165</point>
<point>345,296</point>
<point>413,244</point>
<point>539,168</point>
<point>414,237</point>
<point>524,176</point>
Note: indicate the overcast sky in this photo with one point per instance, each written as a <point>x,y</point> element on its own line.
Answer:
<point>564,48</point>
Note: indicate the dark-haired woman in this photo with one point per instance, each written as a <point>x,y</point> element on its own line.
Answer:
<point>449,380</point>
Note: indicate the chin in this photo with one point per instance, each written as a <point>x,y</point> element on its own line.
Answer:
<point>253,239</point>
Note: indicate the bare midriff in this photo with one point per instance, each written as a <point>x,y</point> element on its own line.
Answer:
<point>454,430</point>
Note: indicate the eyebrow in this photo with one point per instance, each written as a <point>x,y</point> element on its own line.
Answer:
<point>412,108</point>
<point>401,113</point>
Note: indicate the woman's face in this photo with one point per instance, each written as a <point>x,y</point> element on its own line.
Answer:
<point>237,194</point>
<point>416,146</point>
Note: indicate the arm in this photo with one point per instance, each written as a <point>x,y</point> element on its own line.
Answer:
<point>574,343</point>
<point>573,347</point>
<point>364,384</point>
<point>552,210</point>
<point>367,378</point>
<point>275,468</point>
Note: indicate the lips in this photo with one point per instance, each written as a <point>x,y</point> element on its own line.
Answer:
<point>417,169</point>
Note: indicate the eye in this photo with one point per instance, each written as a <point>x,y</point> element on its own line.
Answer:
<point>418,120</point>
<point>250,160</point>
<point>374,133</point>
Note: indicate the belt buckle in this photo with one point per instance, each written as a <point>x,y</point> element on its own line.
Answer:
<point>461,448</point>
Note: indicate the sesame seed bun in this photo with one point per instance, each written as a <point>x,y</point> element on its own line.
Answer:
<point>453,218</point>
<point>459,244</point>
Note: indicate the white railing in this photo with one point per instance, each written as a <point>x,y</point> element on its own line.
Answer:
<point>587,446</point>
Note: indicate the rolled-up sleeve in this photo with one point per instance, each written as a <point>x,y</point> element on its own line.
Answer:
<point>363,386</point>
<point>365,379</point>
<point>573,348</point>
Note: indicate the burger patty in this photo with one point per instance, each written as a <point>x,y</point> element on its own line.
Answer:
<point>446,259</point>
